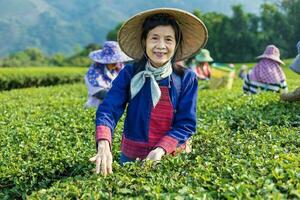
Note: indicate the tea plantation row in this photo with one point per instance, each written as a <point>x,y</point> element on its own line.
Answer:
<point>245,147</point>
<point>11,78</point>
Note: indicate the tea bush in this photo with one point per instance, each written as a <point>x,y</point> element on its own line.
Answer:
<point>11,78</point>
<point>246,147</point>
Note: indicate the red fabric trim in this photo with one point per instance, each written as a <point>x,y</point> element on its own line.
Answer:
<point>168,143</point>
<point>103,133</point>
<point>134,149</point>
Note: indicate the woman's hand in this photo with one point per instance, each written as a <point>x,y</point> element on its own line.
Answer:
<point>156,154</point>
<point>103,158</point>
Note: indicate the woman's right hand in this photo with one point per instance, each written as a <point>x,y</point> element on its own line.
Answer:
<point>103,158</point>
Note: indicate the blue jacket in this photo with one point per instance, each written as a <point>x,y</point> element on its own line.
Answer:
<point>139,108</point>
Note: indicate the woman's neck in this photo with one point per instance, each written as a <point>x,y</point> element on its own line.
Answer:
<point>156,66</point>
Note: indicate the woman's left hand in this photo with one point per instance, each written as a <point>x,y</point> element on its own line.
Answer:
<point>156,154</point>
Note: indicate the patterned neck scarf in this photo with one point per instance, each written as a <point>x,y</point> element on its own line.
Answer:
<point>155,74</point>
<point>267,71</point>
<point>99,76</point>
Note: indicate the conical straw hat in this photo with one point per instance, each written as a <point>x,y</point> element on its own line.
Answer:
<point>194,33</point>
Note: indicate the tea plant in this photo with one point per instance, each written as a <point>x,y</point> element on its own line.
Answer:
<point>11,78</point>
<point>246,147</point>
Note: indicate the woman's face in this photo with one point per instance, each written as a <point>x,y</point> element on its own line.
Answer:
<point>160,45</point>
<point>200,64</point>
<point>111,67</point>
<point>115,66</point>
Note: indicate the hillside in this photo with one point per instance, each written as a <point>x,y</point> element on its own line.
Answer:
<point>60,26</point>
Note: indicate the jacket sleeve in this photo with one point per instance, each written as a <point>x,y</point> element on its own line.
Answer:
<point>184,123</point>
<point>113,106</point>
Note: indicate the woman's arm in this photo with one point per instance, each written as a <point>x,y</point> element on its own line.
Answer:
<point>107,116</point>
<point>113,105</point>
<point>101,94</point>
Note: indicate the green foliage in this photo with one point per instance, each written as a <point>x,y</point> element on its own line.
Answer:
<point>113,34</point>
<point>243,36</point>
<point>291,9</point>
<point>246,147</point>
<point>85,52</point>
<point>42,137</point>
<point>58,59</point>
<point>79,59</point>
<point>34,57</point>
<point>11,78</point>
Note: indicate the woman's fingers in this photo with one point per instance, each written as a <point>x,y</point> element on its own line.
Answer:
<point>93,159</point>
<point>106,165</point>
<point>103,166</point>
<point>103,159</point>
<point>156,154</point>
<point>109,169</point>
<point>98,163</point>
<point>150,156</point>
<point>109,165</point>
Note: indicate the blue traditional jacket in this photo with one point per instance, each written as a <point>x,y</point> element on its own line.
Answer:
<point>136,135</point>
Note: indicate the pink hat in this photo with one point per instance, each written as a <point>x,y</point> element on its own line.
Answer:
<point>272,53</point>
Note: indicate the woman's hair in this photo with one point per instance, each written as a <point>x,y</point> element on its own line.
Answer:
<point>150,23</point>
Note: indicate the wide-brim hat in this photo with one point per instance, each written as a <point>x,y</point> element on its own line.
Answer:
<point>271,52</point>
<point>194,33</point>
<point>109,54</point>
<point>204,56</point>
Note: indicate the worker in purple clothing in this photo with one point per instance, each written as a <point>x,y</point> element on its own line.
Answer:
<point>160,96</point>
<point>267,74</point>
<point>107,63</point>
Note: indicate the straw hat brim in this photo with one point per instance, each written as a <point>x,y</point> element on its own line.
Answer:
<point>194,33</point>
<point>271,58</point>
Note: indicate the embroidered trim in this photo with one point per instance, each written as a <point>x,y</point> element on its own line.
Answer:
<point>103,133</point>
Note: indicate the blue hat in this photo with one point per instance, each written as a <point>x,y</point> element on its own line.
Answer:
<point>109,54</point>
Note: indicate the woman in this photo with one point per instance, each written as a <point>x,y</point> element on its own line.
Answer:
<point>106,65</point>
<point>267,74</point>
<point>161,97</point>
<point>295,95</point>
<point>202,68</point>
